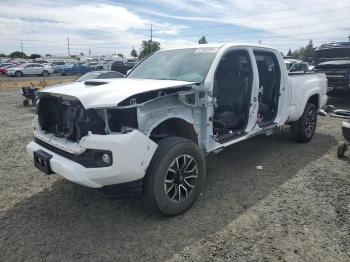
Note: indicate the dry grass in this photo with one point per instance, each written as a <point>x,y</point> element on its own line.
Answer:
<point>18,83</point>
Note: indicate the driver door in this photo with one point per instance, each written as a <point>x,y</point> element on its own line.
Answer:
<point>28,69</point>
<point>235,95</point>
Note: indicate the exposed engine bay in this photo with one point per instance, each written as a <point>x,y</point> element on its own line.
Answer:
<point>65,117</point>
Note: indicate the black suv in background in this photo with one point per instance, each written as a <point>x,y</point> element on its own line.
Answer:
<point>333,59</point>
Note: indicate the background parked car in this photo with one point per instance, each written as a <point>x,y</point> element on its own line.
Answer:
<point>3,69</point>
<point>30,69</point>
<point>77,69</point>
<point>96,66</point>
<point>2,65</point>
<point>58,66</point>
<point>121,67</point>
<point>99,75</point>
<point>294,65</point>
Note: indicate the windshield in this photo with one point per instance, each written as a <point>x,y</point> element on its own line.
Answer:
<point>88,76</point>
<point>190,64</point>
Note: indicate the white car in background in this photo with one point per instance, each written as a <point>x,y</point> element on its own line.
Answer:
<point>58,66</point>
<point>30,69</point>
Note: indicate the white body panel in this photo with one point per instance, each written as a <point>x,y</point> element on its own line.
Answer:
<point>109,95</point>
<point>131,153</point>
<point>304,86</point>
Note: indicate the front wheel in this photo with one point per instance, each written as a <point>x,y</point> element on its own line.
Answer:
<point>175,176</point>
<point>304,129</point>
<point>46,73</point>
<point>18,74</point>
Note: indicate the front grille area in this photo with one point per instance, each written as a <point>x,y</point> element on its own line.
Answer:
<point>332,82</point>
<point>67,118</point>
<point>335,75</point>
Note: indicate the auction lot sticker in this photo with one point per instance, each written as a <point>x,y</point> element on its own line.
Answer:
<point>206,50</point>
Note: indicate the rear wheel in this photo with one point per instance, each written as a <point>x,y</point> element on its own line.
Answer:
<point>304,129</point>
<point>18,74</point>
<point>175,176</point>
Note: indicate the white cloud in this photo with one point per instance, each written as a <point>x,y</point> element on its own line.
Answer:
<point>101,27</point>
<point>107,27</point>
<point>288,23</point>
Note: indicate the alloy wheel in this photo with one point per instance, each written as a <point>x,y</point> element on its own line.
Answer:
<point>181,178</point>
<point>310,123</point>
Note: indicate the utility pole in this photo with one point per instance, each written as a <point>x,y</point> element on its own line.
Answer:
<point>68,47</point>
<point>151,33</point>
<point>22,48</point>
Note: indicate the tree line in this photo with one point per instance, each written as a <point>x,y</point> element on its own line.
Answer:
<point>306,53</point>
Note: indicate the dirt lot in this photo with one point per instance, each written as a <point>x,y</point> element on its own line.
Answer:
<point>297,208</point>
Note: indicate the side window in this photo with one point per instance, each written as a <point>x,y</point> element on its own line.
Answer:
<point>103,76</point>
<point>304,67</point>
<point>113,75</point>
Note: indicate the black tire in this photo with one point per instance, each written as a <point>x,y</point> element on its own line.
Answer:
<point>46,73</point>
<point>155,186</point>
<point>25,102</point>
<point>341,149</point>
<point>304,129</point>
<point>18,74</point>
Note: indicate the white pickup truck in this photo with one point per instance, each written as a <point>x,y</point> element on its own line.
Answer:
<point>149,133</point>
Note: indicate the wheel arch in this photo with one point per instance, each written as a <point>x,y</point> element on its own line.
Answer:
<point>298,109</point>
<point>314,99</point>
<point>174,126</point>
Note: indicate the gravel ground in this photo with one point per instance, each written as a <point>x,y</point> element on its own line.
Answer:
<point>295,209</point>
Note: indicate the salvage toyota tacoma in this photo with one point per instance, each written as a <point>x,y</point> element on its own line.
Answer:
<point>149,133</point>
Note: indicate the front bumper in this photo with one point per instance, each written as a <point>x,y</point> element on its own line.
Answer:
<point>131,152</point>
<point>338,85</point>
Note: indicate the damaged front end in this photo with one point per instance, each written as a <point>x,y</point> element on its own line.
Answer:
<point>98,144</point>
<point>92,147</point>
<point>65,117</point>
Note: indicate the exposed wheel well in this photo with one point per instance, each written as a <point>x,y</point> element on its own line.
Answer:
<point>174,127</point>
<point>314,100</point>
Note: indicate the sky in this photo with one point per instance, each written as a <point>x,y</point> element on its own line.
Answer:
<point>107,27</point>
